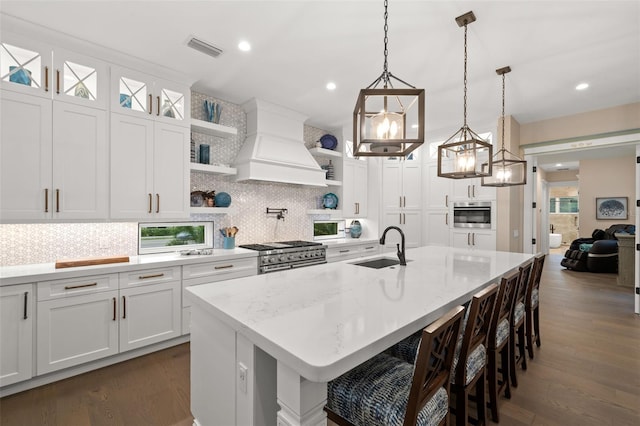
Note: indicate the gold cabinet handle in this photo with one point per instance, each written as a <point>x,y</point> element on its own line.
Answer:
<point>150,106</point>
<point>468,191</point>
<point>468,239</point>
<point>157,203</point>
<point>114,309</point>
<point>223,267</point>
<point>46,200</point>
<point>46,79</point>
<point>446,200</point>
<point>473,239</point>
<point>473,191</point>
<point>369,248</point>
<point>446,218</point>
<point>146,277</point>
<point>73,287</point>
<point>124,307</point>
<point>158,105</point>
<point>150,201</point>
<point>57,201</point>
<point>400,201</point>
<point>57,82</point>
<point>344,251</point>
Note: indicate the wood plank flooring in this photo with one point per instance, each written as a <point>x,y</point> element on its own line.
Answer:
<point>587,371</point>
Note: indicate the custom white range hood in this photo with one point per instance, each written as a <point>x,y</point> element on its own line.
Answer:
<point>274,149</point>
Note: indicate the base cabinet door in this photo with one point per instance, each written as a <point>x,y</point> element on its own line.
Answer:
<point>16,333</point>
<point>150,314</point>
<point>74,330</point>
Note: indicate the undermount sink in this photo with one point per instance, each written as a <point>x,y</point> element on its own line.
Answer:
<point>381,262</point>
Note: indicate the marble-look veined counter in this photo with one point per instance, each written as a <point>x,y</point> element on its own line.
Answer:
<point>318,323</point>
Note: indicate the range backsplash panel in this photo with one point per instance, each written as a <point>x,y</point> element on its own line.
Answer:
<point>43,243</point>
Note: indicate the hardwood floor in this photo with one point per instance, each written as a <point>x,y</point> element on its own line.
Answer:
<point>586,372</point>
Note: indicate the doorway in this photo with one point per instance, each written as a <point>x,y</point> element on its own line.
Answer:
<point>564,215</point>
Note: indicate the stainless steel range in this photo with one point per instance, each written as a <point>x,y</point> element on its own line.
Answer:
<point>288,255</point>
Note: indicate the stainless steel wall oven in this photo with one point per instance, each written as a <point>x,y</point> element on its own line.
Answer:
<point>472,214</point>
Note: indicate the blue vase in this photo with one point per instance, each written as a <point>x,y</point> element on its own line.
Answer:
<point>355,229</point>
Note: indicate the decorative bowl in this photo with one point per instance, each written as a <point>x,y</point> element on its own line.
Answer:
<point>222,199</point>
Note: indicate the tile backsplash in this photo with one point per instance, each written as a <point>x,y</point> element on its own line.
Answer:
<point>47,242</point>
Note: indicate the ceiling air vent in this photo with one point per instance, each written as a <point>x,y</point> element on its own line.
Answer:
<point>562,169</point>
<point>204,47</point>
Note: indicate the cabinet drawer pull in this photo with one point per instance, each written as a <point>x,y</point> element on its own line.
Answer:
<point>157,203</point>
<point>446,200</point>
<point>446,218</point>
<point>158,105</point>
<point>46,79</point>
<point>473,239</point>
<point>46,200</point>
<point>404,201</point>
<point>124,307</point>
<point>57,82</point>
<point>57,201</point>
<point>150,202</point>
<point>26,297</point>
<point>400,201</point>
<point>73,287</point>
<point>473,191</point>
<point>114,309</point>
<point>223,267</point>
<point>369,248</point>
<point>468,191</point>
<point>344,251</point>
<point>144,277</point>
<point>468,239</point>
<point>150,104</point>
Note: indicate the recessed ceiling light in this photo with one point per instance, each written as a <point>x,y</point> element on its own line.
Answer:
<point>244,46</point>
<point>558,164</point>
<point>582,86</point>
<point>331,85</point>
<point>414,126</point>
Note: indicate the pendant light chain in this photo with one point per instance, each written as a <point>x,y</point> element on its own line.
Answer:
<point>503,78</point>
<point>465,77</point>
<point>385,72</point>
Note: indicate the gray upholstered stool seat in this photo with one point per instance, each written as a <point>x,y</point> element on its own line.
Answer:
<point>376,393</point>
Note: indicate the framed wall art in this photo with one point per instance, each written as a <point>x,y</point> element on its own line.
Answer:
<point>612,208</point>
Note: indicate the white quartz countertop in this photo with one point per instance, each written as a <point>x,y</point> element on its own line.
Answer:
<point>47,271</point>
<point>322,320</point>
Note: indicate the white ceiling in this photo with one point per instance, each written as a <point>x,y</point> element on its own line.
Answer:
<point>298,46</point>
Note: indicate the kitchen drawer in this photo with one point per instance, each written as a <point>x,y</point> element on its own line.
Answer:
<point>57,289</point>
<point>221,269</point>
<point>229,274</point>
<point>336,254</point>
<point>149,276</point>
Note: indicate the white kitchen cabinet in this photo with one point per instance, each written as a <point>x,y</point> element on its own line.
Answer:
<point>53,159</point>
<point>77,321</point>
<point>401,182</point>
<point>140,94</point>
<point>30,67</point>
<point>340,252</point>
<point>149,314</point>
<point>437,223</point>
<point>16,333</point>
<point>149,169</point>
<point>483,240</point>
<point>409,222</point>
<point>472,189</point>
<point>354,188</point>
<point>438,189</point>
<point>212,271</point>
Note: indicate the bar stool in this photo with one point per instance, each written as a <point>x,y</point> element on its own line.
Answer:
<point>532,305</point>
<point>498,343</point>
<point>516,331</point>
<point>387,391</point>
<point>472,347</point>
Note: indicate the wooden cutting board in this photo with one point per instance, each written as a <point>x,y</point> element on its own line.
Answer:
<point>71,263</point>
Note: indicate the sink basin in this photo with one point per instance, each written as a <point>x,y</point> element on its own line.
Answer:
<point>378,263</point>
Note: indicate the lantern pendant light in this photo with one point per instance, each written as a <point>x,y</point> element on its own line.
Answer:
<point>508,168</point>
<point>388,121</point>
<point>463,154</point>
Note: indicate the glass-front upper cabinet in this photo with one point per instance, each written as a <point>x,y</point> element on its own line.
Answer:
<point>51,72</point>
<point>25,66</point>
<point>137,93</point>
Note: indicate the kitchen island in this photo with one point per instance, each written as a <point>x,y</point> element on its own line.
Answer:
<point>263,347</point>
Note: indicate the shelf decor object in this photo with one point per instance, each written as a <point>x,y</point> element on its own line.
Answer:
<point>462,155</point>
<point>508,168</point>
<point>388,121</point>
